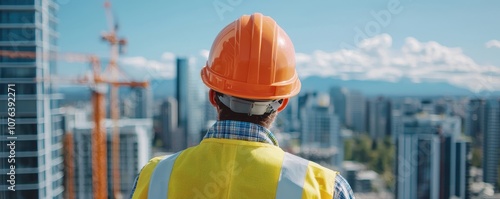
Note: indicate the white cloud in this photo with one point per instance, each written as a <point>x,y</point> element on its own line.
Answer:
<point>493,44</point>
<point>143,68</point>
<point>204,53</point>
<point>376,59</point>
<point>168,56</point>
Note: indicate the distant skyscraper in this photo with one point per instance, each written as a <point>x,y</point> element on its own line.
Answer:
<point>491,152</point>
<point>169,130</point>
<point>338,97</point>
<point>356,111</point>
<point>142,99</point>
<point>475,121</point>
<point>431,160</point>
<point>320,130</point>
<point>190,101</point>
<point>135,103</point>
<point>401,111</point>
<point>30,26</point>
<point>288,119</point>
<point>135,151</point>
<point>182,97</point>
<point>462,169</point>
<point>379,118</point>
<point>418,167</point>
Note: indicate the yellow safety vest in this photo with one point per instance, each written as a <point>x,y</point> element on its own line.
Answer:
<point>226,168</point>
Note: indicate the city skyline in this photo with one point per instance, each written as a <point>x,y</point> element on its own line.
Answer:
<point>384,41</point>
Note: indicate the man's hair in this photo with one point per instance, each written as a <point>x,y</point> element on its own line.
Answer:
<point>225,113</point>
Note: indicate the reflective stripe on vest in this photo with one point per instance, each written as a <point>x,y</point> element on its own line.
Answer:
<point>290,184</point>
<point>292,177</point>
<point>158,186</point>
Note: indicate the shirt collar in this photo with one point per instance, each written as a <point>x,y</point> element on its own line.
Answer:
<point>229,129</point>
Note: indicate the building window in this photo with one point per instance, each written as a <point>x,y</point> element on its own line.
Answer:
<point>8,16</point>
<point>53,11</point>
<point>17,2</point>
<point>28,178</point>
<point>53,25</point>
<point>15,48</point>
<point>24,162</point>
<point>26,129</point>
<point>38,17</point>
<point>53,40</point>
<point>23,145</point>
<point>18,34</point>
<point>21,89</point>
<point>17,72</point>
<point>56,154</point>
<point>19,194</point>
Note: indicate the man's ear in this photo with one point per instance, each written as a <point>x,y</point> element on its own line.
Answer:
<point>211,97</point>
<point>283,105</point>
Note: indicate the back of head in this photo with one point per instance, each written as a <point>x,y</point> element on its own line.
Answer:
<point>251,66</point>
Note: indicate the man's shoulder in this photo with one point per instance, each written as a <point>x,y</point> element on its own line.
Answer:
<point>153,162</point>
<point>314,165</point>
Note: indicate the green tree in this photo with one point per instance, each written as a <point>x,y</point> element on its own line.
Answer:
<point>476,157</point>
<point>348,147</point>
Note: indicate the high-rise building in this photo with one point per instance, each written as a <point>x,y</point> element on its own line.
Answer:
<point>170,134</point>
<point>475,121</point>
<point>356,111</point>
<point>30,26</point>
<point>431,158</point>
<point>135,151</point>
<point>401,111</point>
<point>320,131</point>
<point>288,119</point>
<point>462,169</point>
<point>190,102</point>
<point>338,97</point>
<point>142,99</point>
<point>491,146</point>
<point>182,96</point>
<point>135,103</point>
<point>379,118</point>
<point>417,168</point>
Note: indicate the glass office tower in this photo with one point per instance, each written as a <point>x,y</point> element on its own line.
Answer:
<point>30,26</point>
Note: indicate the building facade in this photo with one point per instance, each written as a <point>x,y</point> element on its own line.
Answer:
<point>190,102</point>
<point>31,26</point>
<point>170,134</point>
<point>379,118</point>
<point>491,144</point>
<point>338,97</point>
<point>432,158</point>
<point>356,111</point>
<point>475,121</point>
<point>135,151</point>
<point>320,131</point>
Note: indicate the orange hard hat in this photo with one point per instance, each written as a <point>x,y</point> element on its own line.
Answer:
<point>252,58</point>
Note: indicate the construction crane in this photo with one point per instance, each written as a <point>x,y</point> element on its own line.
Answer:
<point>69,165</point>
<point>98,82</point>
<point>117,45</point>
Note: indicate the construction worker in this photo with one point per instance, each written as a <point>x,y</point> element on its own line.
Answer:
<point>251,75</point>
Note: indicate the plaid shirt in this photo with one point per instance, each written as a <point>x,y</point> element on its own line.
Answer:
<point>228,129</point>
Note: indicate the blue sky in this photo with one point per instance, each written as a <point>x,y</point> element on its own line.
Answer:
<point>415,39</point>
